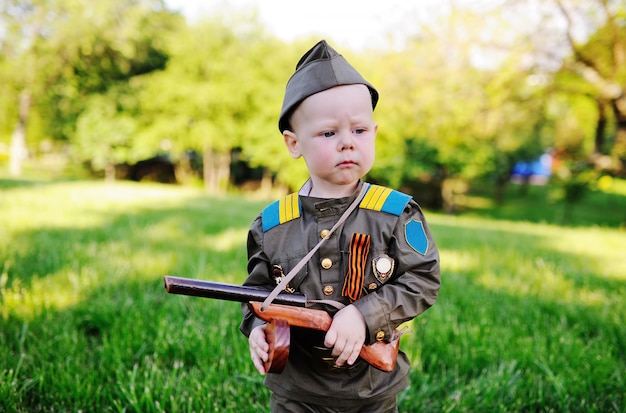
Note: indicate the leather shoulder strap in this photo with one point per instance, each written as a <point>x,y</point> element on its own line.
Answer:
<point>280,286</point>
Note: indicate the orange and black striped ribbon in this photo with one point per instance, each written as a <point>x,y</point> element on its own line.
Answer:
<point>353,283</point>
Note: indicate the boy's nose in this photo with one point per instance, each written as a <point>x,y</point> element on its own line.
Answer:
<point>346,141</point>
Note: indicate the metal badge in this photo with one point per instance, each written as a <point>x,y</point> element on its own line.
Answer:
<point>279,276</point>
<point>383,267</point>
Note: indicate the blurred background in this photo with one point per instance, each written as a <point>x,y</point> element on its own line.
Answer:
<point>505,119</point>
<point>488,92</point>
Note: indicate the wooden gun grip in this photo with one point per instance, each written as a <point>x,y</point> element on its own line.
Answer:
<point>278,337</point>
<point>381,355</point>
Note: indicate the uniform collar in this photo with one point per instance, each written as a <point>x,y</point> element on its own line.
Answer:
<point>305,190</point>
<point>326,206</point>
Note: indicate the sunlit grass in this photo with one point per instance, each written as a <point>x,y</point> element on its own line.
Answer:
<point>529,318</point>
<point>593,251</point>
<point>613,186</point>
<point>603,205</point>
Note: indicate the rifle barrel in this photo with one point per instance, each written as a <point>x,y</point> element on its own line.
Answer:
<point>229,292</point>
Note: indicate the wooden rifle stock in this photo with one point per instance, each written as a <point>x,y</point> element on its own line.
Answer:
<point>380,354</point>
<point>286,310</point>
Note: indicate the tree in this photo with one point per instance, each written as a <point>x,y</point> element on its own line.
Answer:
<point>462,94</point>
<point>215,95</point>
<point>104,135</point>
<point>263,144</point>
<point>61,51</point>
<point>600,63</point>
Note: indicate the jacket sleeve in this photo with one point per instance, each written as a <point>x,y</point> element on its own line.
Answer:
<point>415,284</point>
<point>258,274</point>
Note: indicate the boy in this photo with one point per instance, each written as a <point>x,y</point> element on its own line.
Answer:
<point>381,262</point>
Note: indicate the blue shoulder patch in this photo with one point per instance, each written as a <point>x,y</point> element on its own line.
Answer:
<point>281,211</point>
<point>379,198</point>
<point>269,216</point>
<point>415,236</point>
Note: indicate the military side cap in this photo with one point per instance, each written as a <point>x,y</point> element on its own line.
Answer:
<point>320,68</point>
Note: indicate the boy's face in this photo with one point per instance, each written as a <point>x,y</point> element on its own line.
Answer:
<point>334,131</point>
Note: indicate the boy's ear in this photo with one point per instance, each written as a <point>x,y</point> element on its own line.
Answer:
<point>291,141</point>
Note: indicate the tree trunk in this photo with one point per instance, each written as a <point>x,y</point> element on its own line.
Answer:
<point>207,170</point>
<point>266,181</point>
<point>600,127</point>
<point>216,171</point>
<point>184,170</point>
<point>619,147</point>
<point>452,189</point>
<point>109,172</point>
<point>223,171</point>
<point>500,190</point>
<point>18,152</point>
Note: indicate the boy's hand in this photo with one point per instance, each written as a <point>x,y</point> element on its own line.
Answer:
<point>346,335</point>
<point>258,348</point>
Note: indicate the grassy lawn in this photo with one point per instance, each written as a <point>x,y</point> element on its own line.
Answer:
<point>530,317</point>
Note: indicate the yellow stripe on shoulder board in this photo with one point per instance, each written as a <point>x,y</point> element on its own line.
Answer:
<point>375,197</point>
<point>280,211</point>
<point>380,198</point>
<point>289,208</point>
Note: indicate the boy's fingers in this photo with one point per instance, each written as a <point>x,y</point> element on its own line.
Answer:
<point>259,366</point>
<point>347,354</point>
<point>256,352</point>
<point>330,339</point>
<point>263,346</point>
<point>259,348</point>
<point>352,354</point>
<point>355,354</point>
<point>258,358</point>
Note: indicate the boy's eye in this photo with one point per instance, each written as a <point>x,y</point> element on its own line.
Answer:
<point>328,134</point>
<point>359,131</point>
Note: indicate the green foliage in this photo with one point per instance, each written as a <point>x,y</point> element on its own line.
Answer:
<point>103,134</point>
<point>577,185</point>
<point>475,121</point>
<point>8,112</point>
<point>597,70</point>
<point>62,51</point>
<point>606,48</point>
<point>263,143</point>
<point>459,101</point>
<point>572,122</point>
<point>221,90</point>
<point>530,316</point>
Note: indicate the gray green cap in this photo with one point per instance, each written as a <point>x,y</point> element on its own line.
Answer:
<point>320,68</point>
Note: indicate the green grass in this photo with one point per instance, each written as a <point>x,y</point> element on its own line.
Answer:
<point>541,204</point>
<point>530,315</point>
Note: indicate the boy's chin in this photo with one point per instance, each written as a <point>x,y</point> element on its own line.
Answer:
<point>350,184</point>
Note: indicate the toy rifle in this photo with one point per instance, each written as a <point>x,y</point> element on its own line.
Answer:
<point>286,310</point>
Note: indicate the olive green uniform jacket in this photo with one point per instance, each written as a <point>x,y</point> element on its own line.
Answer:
<point>288,229</point>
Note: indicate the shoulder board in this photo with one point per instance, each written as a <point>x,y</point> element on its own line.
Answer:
<point>379,198</point>
<point>281,211</point>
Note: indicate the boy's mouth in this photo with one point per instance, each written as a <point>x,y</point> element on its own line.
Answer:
<point>346,164</point>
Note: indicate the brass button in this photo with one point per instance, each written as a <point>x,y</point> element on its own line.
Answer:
<point>324,233</point>
<point>328,290</point>
<point>372,286</point>
<point>380,335</point>
<point>327,263</point>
